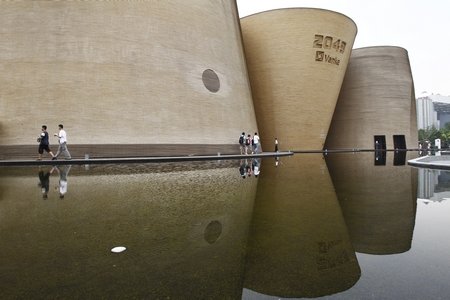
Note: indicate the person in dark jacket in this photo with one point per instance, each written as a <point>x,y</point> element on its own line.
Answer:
<point>44,143</point>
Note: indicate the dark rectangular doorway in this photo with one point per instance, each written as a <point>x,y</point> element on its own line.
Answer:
<point>380,150</point>
<point>399,142</point>
<point>379,142</point>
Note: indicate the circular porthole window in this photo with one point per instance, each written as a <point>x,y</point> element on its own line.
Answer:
<point>211,80</point>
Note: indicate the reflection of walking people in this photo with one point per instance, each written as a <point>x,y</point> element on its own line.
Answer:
<point>255,166</point>
<point>62,136</point>
<point>63,172</point>
<point>276,145</point>
<point>44,143</point>
<point>44,182</point>
<point>243,169</point>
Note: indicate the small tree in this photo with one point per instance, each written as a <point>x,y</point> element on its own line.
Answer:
<point>430,134</point>
<point>445,135</point>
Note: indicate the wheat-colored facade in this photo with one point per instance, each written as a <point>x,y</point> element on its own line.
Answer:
<point>120,74</point>
<point>296,60</point>
<point>376,106</point>
<point>163,78</point>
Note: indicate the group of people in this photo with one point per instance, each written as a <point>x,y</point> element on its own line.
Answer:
<point>249,143</point>
<point>44,143</point>
<point>252,144</point>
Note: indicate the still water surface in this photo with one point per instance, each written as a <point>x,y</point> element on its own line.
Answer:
<point>339,227</point>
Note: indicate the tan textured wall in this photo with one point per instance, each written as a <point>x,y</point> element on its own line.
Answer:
<point>296,61</point>
<point>298,244</point>
<point>123,72</point>
<point>378,202</point>
<point>377,98</point>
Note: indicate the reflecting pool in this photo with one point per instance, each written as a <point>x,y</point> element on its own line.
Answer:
<point>343,226</point>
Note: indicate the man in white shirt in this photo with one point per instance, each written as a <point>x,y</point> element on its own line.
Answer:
<point>62,136</point>
<point>256,143</point>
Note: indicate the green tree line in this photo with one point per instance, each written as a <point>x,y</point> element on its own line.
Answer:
<point>431,133</point>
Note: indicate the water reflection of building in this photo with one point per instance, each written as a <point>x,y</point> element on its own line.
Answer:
<point>185,231</point>
<point>378,202</point>
<point>434,185</point>
<point>298,243</point>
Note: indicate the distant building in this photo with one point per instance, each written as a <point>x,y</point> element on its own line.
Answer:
<point>426,115</point>
<point>433,110</point>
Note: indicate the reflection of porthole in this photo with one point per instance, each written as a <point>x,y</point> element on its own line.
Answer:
<point>213,232</point>
<point>211,80</point>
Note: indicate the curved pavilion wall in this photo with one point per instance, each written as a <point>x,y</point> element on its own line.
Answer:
<point>377,101</point>
<point>124,77</point>
<point>296,60</point>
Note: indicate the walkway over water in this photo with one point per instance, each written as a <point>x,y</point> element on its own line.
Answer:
<point>148,159</point>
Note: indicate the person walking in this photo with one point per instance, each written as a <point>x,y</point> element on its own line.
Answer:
<point>44,143</point>
<point>242,142</point>
<point>62,136</point>
<point>248,143</point>
<point>276,145</point>
<point>256,143</point>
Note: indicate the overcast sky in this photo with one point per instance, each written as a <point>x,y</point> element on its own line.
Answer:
<point>421,27</point>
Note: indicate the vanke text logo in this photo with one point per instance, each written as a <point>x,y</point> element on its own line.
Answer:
<point>321,56</point>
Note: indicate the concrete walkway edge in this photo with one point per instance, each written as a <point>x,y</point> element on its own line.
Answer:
<point>431,162</point>
<point>149,159</point>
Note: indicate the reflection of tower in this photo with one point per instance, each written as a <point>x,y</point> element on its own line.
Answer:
<point>378,202</point>
<point>433,185</point>
<point>296,60</point>
<point>427,181</point>
<point>185,230</point>
<point>298,243</point>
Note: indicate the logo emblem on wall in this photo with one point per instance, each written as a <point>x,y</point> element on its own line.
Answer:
<point>320,55</point>
<point>333,47</point>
